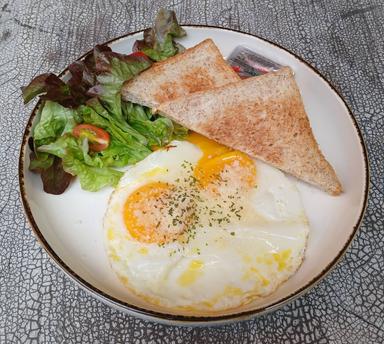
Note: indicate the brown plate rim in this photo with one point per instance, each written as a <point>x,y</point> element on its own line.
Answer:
<point>181,319</point>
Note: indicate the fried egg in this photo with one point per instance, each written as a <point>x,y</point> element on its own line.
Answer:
<point>198,226</point>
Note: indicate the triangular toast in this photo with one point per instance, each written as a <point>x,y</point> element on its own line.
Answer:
<point>263,116</point>
<point>198,68</point>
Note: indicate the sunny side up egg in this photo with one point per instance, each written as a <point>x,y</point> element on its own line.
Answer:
<point>199,227</point>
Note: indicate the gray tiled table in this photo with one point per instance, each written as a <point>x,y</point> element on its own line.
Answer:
<point>343,39</point>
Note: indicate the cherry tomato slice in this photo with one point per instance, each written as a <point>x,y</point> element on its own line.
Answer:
<point>237,69</point>
<point>138,54</point>
<point>98,138</point>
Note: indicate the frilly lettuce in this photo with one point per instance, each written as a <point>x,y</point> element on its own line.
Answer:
<point>158,42</point>
<point>91,94</point>
<point>112,70</point>
<point>76,160</point>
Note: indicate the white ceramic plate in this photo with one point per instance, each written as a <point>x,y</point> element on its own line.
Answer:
<point>69,226</point>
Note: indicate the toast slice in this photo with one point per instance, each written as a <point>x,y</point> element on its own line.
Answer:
<point>198,68</point>
<point>263,116</point>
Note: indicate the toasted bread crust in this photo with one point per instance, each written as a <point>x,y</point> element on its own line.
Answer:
<point>263,116</point>
<point>199,68</point>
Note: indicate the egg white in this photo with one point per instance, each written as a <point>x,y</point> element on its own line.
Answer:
<point>219,268</point>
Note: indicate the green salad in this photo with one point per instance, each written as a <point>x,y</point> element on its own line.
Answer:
<point>85,129</point>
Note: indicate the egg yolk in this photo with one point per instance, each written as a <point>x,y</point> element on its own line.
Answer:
<point>217,159</point>
<point>150,215</point>
<point>209,147</point>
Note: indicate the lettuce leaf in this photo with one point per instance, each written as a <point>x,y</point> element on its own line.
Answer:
<point>55,179</point>
<point>136,145</point>
<point>55,120</point>
<point>38,162</point>
<point>50,87</point>
<point>82,78</point>
<point>93,170</point>
<point>66,144</point>
<point>157,130</point>
<point>119,155</point>
<point>101,73</point>
<point>158,42</point>
<point>112,70</point>
<point>91,178</point>
<point>179,132</point>
<point>132,112</point>
<point>117,125</point>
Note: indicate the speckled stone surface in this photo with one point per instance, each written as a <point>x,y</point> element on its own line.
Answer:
<point>342,38</point>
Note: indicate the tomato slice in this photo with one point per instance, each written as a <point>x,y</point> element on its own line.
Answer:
<point>138,54</point>
<point>98,138</point>
<point>237,69</point>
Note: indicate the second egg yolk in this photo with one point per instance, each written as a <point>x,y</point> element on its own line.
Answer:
<point>217,158</point>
